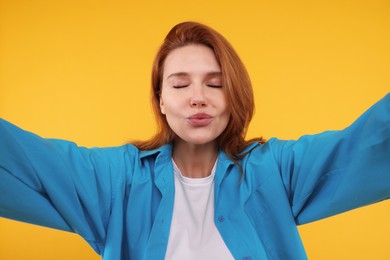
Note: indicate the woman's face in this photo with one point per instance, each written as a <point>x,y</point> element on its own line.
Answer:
<point>192,97</point>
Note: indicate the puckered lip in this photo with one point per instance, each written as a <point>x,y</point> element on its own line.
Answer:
<point>200,119</point>
<point>200,116</point>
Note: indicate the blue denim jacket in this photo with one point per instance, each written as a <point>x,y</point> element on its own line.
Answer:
<point>120,199</point>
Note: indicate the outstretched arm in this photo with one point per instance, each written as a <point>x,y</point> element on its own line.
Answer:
<point>336,171</point>
<point>57,184</point>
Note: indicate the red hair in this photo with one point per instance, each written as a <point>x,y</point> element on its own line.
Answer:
<point>236,82</point>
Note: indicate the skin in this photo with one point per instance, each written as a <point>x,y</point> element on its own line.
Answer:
<point>192,87</point>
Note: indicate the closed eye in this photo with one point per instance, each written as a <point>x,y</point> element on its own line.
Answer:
<point>180,86</point>
<point>214,86</point>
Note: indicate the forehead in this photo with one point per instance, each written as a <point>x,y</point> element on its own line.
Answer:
<point>191,59</point>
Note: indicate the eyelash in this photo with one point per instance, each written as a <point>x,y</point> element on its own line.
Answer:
<point>211,86</point>
<point>215,86</point>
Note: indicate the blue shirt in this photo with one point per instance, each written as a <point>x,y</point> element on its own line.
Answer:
<point>120,199</point>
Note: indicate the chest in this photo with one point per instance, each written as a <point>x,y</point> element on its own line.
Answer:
<point>253,216</point>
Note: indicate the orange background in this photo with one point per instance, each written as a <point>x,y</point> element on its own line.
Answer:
<point>80,70</point>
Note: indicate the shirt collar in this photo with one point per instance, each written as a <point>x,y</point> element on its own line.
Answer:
<point>165,151</point>
<point>164,163</point>
<point>223,156</point>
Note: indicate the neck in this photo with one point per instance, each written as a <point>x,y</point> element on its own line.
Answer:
<point>195,161</point>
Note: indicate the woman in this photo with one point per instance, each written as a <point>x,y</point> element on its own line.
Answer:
<point>197,190</point>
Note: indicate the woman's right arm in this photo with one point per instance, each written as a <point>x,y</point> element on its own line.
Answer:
<point>57,184</point>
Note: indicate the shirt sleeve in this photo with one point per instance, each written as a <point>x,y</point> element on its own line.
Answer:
<point>57,184</point>
<point>336,171</point>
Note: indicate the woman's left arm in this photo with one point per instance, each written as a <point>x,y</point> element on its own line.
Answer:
<point>336,171</point>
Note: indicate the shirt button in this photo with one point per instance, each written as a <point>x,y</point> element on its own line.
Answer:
<point>221,218</point>
<point>246,258</point>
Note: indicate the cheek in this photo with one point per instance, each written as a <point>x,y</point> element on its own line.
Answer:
<point>165,101</point>
<point>171,109</point>
<point>167,106</point>
<point>226,120</point>
<point>225,108</point>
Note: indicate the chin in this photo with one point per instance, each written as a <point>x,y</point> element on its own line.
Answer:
<point>201,141</point>
<point>198,136</point>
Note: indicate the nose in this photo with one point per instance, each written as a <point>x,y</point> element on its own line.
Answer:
<point>198,98</point>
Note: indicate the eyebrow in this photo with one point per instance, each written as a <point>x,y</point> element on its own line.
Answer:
<point>184,74</point>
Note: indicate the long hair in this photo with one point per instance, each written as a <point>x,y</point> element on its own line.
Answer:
<point>236,82</point>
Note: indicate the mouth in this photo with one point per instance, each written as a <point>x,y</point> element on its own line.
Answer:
<point>199,119</point>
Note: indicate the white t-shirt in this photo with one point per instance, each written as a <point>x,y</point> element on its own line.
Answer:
<point>193,234</point>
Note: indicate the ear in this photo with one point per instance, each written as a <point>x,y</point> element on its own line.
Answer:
<point>162,107</point>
